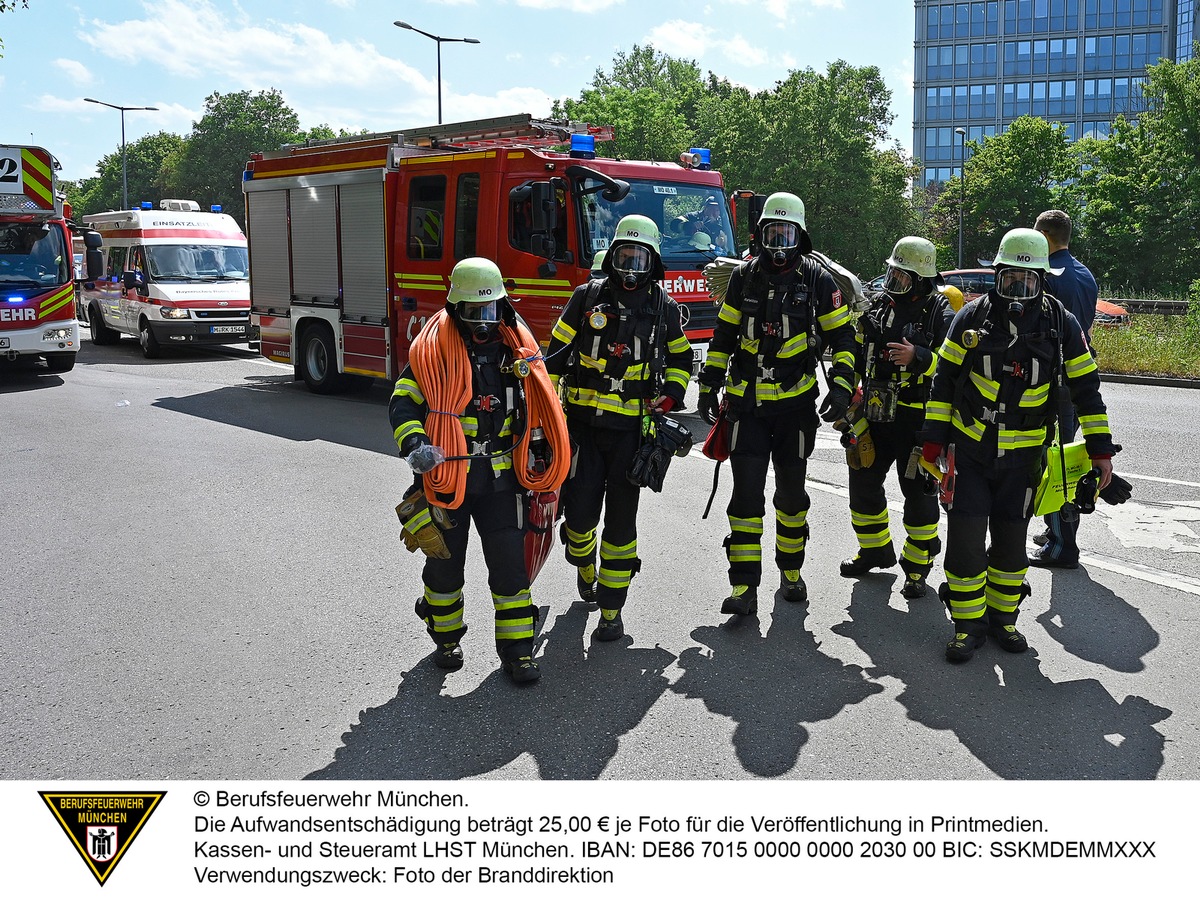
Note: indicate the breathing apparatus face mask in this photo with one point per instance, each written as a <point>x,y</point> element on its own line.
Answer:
<point>1019,287</point>
<point>632,262</point>
<point>900,283</point>
<point>480,320</point>
<point>781,241</point>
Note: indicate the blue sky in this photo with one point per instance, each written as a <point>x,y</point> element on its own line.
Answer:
<point>343,63</point>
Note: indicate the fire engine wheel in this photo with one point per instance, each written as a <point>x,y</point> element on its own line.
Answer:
<point>101,333</point>
<point>151,348</point>
<point>60,362</point>
<point>318,357</point>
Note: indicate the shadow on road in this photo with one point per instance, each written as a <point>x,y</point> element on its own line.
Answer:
<point>569,722</point>
<point>1003,709</point>
<point>770,686</point>
<point>277,405</point>
<point>19,379</point>
<point>1094,624</point>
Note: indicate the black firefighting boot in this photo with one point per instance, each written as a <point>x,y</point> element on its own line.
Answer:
<point>516,660</point>
<point>792,587</point>
<point>969,634</point>
<point>448,656</point>
<point>585,582</point>
<point>914,586</point>
<point>610,627</point>
<point>868,559</point>
<point>1003,628</point>
<point>916,573</point>
<point>742,601</point>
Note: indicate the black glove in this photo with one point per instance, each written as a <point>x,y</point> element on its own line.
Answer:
<point>837,401</point>
<point>709,406</point>
<point>1118,491</point>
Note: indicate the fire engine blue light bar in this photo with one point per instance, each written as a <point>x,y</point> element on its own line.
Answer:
<point>705,157</point>
<point>583,146</point>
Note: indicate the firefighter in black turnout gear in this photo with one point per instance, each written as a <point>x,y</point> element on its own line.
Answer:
<point>1010,359</point>
<point>492,496</point>
<point>899,336</point>
<point>622,361</point>
<point>765,350</point>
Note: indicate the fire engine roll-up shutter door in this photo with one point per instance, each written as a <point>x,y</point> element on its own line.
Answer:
<point>364,253</point>
<point>270,286</point>
<point>314,246</point>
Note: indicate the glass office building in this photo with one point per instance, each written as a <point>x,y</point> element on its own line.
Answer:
<point>981,64</point>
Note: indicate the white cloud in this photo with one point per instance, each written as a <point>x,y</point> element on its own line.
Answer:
<point>678,37</point>
<point>534,101</point>
<point>579,6</point>
<point>75,70</point>
<point>254,56</point>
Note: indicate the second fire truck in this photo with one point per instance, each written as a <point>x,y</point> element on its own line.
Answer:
<point>352,241</point>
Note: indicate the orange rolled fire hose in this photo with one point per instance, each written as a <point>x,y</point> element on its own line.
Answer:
<point>439,361</point>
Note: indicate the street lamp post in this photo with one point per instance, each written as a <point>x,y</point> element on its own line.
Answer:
<point>439,40</point>
<point>124,174</point>
<point>962,188</point>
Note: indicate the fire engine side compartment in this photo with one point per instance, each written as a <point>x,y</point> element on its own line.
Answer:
<point>318,259</point>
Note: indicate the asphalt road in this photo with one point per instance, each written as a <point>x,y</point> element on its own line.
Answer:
<point>205,580</point>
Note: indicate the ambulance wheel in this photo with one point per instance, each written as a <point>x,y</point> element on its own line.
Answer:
<point>60,362</point>
<point>318,361</point>
<point>101,333</point>
<point>151,348</point>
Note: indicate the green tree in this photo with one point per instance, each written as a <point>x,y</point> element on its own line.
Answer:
<point>1143,187</point>
<point>1010,178</point>
<point>821,136</point>
<point>149,162</point>
<point>233,126</point>
<point>649,98</point>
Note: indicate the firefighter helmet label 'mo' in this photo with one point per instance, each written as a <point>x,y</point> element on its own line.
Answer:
<point>102,826</point>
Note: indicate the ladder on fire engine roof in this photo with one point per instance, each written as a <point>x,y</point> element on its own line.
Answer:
<point>504,131</point>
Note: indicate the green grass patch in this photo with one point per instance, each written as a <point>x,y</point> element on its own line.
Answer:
<point>1149,345</point>
<point>1165,346</point>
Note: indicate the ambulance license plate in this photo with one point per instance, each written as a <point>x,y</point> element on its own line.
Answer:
<point>3,343</point>
<point>229,329</point>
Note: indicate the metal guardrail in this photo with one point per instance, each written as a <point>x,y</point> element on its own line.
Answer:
<point>1159,307</point>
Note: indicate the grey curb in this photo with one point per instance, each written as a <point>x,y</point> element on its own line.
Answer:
<point>1156,381</point>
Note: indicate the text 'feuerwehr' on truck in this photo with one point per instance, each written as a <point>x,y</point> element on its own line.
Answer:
<point>37,269</point>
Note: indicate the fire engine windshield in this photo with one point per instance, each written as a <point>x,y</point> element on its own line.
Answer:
<point>692,219</point>
<point>33,255</point>
<point>197,262</point>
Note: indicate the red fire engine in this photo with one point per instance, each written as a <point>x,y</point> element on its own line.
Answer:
<point>352,241</point>
<point>37,270</point>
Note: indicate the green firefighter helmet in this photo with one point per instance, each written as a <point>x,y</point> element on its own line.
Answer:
<point>914,254</point>
<point>774,237</point>
<point>1024,248</point>
<point>476,280</point>
<point>639,230</point>
<point>634,255</point>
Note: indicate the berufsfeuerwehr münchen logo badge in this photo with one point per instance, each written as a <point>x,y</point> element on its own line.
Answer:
<point>101,825</point>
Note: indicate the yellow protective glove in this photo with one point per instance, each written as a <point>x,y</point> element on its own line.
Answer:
<point>423,525</point>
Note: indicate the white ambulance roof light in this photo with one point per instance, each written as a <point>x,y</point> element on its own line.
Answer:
<point>179,205</point>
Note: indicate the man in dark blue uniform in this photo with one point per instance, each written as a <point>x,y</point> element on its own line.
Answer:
<point>1076,289</point>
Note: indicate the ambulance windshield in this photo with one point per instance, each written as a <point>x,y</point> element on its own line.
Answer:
<point>197,262</point>
<point>693,220</point>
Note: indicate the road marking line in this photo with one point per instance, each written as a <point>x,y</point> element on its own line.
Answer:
<point>1160,480</point>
